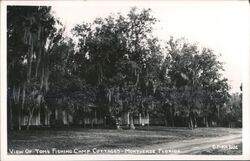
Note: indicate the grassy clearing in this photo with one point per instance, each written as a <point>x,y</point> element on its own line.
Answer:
<point>107,138</point>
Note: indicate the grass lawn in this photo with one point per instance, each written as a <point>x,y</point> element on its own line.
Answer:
<point>107,138</point>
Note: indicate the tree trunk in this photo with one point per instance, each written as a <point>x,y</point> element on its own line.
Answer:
<point>29,118</point>
<point>172,117</point>
<point>218,118</point>
<point>67,118</point>
<point>131,121</point>
<point>28,123</point>
<point>10,117</point>
<point>195,122</point>
<point>92,123</point>
<point>83,122</point>
<point>206,119</point>
<point>19,118</point>
<point>140,121</point>
<point>104,121</point>
<point>191,123</point>
<point>166,118</point>
<point>186,120</point>
<point>148,119</point>
<point>166,122</point>
<point>22,106</point>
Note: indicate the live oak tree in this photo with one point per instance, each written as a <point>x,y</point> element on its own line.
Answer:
<point>120,50</point>
<point>31,36</point>
<point>215,87</point>
<point>183,73</point>
<point>197,75</point>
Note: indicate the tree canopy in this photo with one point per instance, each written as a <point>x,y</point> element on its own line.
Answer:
<point>117,65</point>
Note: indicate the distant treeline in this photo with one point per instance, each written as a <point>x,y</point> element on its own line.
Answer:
<point>109,67</point>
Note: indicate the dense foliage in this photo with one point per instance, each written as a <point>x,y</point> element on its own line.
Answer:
<point>116,66</point>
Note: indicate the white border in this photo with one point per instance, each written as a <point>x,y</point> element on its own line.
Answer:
<point>3,96</point>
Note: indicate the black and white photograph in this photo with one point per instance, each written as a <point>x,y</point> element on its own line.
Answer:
<point>156,79</point>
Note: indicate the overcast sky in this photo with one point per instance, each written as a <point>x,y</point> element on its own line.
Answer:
<point>221,26</point>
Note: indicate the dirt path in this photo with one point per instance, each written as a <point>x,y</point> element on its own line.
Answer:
<point>197,145</point>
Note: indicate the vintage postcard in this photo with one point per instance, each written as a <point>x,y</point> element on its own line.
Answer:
<point>124,80</point>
